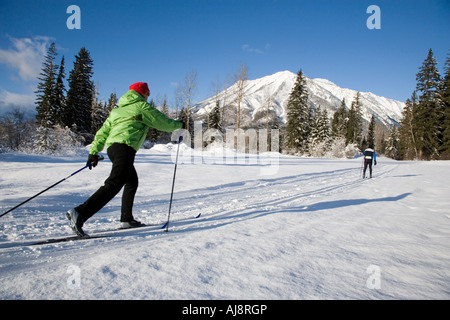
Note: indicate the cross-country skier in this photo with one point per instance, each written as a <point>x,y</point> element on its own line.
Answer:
<point>369,155</point>
<point>123,133</point>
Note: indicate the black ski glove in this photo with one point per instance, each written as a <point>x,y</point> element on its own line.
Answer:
<point>375,162</point>
<point>92,161</point>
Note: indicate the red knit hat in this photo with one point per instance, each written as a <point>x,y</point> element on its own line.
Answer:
<point>140,87</point>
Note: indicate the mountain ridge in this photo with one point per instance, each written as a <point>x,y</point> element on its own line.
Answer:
<point>277,87</point>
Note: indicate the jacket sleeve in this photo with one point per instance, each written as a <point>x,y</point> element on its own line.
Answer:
<point>100,138</point>
<point>154,118</point>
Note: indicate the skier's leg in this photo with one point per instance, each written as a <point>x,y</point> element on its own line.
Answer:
<point>129,192</point>
<point>365,167</point>
<point>122,158</point>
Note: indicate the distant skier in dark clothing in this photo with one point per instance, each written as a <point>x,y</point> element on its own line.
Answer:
<point>369,156</point>
<point>122,134</point>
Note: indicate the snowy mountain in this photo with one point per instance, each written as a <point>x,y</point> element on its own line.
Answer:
<point>277,88</point>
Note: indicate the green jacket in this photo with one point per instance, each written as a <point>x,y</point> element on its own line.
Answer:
<point>129,123</point>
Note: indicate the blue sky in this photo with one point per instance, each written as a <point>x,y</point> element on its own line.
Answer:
<point>160,41</point>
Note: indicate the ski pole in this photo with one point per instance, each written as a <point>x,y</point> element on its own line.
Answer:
<point>53,185</point>
<point>166,226</point>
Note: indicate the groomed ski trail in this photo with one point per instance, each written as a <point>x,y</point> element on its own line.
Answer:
<point>251,199</point>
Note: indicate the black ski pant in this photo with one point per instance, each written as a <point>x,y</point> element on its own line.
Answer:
<point>123,174</point>
<point>367,163</point>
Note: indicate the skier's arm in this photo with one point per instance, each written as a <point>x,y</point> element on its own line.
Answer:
<point>154,118</point>
<point>100,138</point>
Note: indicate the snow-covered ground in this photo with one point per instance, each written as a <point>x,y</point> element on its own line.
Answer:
<point>271,228</point>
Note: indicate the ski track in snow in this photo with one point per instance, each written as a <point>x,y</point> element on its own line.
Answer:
<point>310,231</point>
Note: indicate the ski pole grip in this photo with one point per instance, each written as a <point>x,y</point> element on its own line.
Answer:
<point>89,164</point>
<point>179,140</point>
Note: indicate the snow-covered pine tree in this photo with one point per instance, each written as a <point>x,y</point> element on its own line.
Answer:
<point>354,125</point>
<point>429,111</point>
<point>45,93</point>
<point>320,130</point>
<point>391,150</point>
<point>214,121</point>
<point>320,137</point>
<point>81,91</point>
<point>111,104</point>
<point>55,140</point>
<point>371,133</point>
<point>99,114</point>
<point>339,122</point>
<point>44,141</point>
<point>298,114</point>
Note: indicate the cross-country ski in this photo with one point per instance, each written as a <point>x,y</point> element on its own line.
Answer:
<point>151,229</point>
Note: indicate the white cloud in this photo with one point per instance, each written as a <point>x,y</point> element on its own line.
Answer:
<point>248,48</point>
<point>9,98</point>
<point>10,101</point>
<point>25,56</point>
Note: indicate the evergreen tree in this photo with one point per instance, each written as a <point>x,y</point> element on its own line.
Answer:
<point>157,136</point>
<point>445,95</point>
<point>364,144</point>
<point>214,120</point>
<point>165,137</point>
<point>55,140</point>
<point>392,144</point>
<point>339,123</point>
<point>99,114</point>
<point>165,108</point>
<point>152,133</point>
<point>371,133</point>
<point>112,103</point>
<point>429,113</point>
<point>354,125</point>
<point>45,94</point>
<point>407,135</point>
<point>321,127</point>
<point>44,142</point>
<point>60,91</point>
<point>320,137</point>
<point>186,116</point>
<point>78,109</point>
<point>298,117</point>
